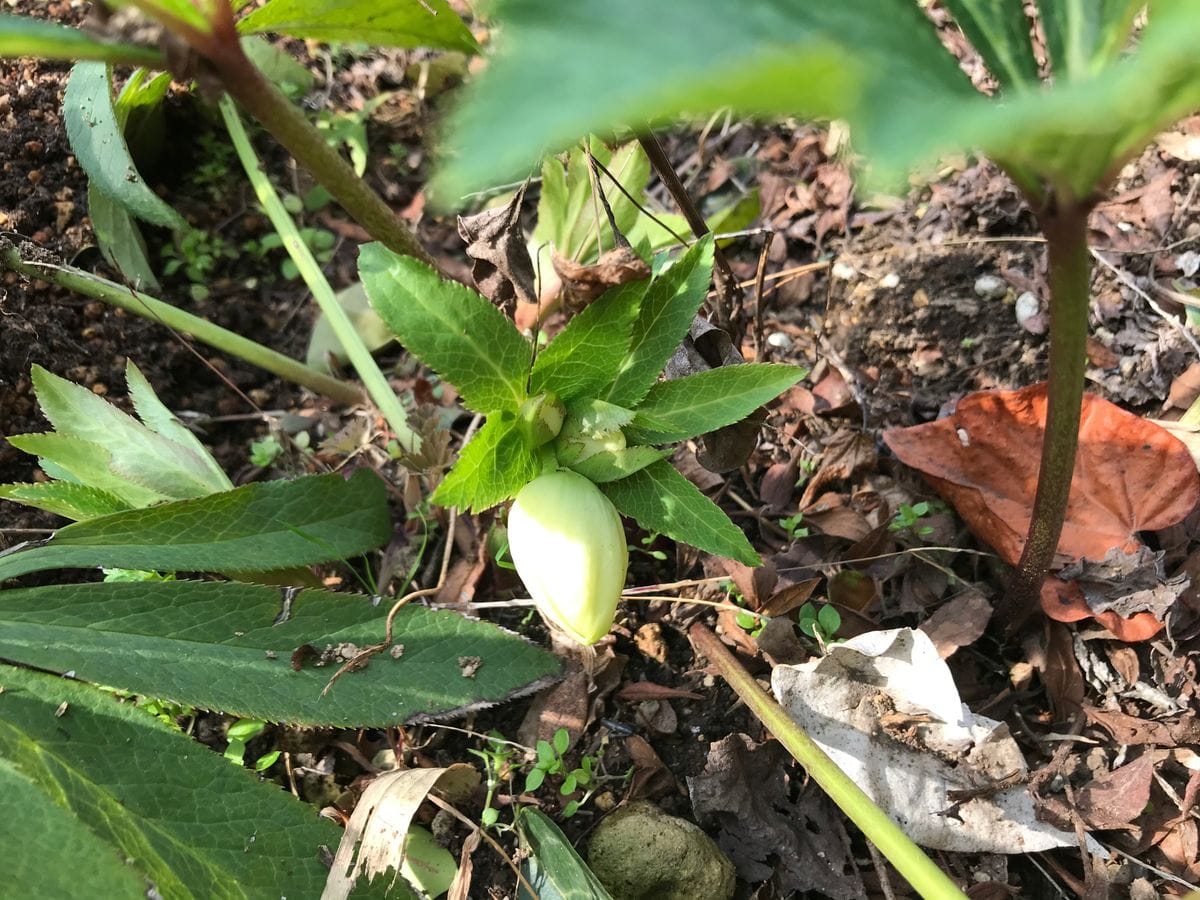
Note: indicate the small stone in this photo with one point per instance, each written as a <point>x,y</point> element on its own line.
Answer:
<point>1189,263</point>
<point>889,281</point>
<point>990,287</point>
<point>1029,313</point>
<point>641,852</point>
<point>779,340</point>
<point>842,271</point>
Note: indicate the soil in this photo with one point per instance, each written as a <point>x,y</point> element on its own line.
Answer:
<point>890,315</point>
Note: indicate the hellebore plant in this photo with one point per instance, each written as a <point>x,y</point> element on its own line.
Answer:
<point>879,65</point>
<point>576,433</point>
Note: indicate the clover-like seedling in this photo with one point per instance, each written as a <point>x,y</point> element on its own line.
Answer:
<point>581,430</point>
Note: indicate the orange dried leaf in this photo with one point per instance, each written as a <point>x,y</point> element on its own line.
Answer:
<point>1130,475</point>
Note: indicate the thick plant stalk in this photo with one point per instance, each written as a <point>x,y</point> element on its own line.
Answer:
<point>148,307</point>
<point>368,370</point>
<point>910,861</point>
<point>1070,282</point>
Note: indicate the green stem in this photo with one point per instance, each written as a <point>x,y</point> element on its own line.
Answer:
<point>910,861</point>
<point>278,115</point>
<point>1065,229</point>
<point>368,370</point>
<point>201,329</point>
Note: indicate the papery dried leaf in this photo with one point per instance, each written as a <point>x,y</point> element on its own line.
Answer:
<point>1115,799</point>
<point>960,622</point>
<point>502,269</point>
<point>1130,475</point>
<point>583,284</point>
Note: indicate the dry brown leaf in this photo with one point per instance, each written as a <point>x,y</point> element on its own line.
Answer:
<point>565,705</point>
<point>502,269</point>
<point>636,691</point>
<point>1130,476</point>
<point>959,623</point>
<point>778,484</point>
<point>844,455</point>
<point>1115,799</point>
<point>460,888</point>
<point>1185,388</point>
<point>583,284</point>
<point>381,820</point>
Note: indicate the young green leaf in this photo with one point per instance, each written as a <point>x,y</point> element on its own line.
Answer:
<point>666,313</point>
<point>660,499</point>
<point>697,404</point>
<point>611,465</point>
<point>1000,32</point>
<point>167,640</point>
<point>23,36</point>
<point>96,138</point>
<point>70,459</point>
<point>491,468</point>
<point>402,23</point>
<point>64,498</point>
<point>450,328</point>
<point>270,525</point>
<point>120,240</point>
<point>582,360</point>
<point>553,868</point>
<point>170,813</point>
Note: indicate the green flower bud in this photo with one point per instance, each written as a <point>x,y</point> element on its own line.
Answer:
<point>541,419</point>
<point>568,544</point>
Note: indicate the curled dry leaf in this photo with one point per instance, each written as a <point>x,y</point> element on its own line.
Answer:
<point>583,284</point>
<point>382,818</point>
<point>1130,476</point>
<point>502,269</point>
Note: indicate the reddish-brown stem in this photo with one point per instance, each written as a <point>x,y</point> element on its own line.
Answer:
<point>1065,228</point>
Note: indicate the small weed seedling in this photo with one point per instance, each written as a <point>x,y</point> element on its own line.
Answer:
<point>792,526</point>
<point>819,622</point>
<point>499,761</point>
<point>908,518</point>
<point>550,762</point>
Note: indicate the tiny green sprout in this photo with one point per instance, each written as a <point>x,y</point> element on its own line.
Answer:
<point>806,467</point>
<point>265,451</point>
<point>586,777</point>
<point>751,623</point>
<point>497,756</point>
<point>791,525</point>
<point>819,622</point>
<point>968,343</point>
<point>909,517</point>
<point>241,733</point>
<point>646,542</point>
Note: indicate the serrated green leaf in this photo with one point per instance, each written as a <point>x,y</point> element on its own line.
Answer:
<point>450,328</point>
<point>400,23</point>
<point>594,417</point>
<point>1000,32</point>
<point>490,469</point>
<point>1082,37</point>
<point>171,468</point>
<point>582,359</point>
<point>660,499</point>
<point>24,36</point>
<point>63,498</point>
<point>255,528</point>
<point>610,465</point>
<point>697,404</point>
<point>214,645</point>
<point>55,848</point>
<point>172,813</point>
<point>553,868</point>
<point>100,147</point>
<point>666,313</point>
<point>71,459</point>
<point>155,415</point>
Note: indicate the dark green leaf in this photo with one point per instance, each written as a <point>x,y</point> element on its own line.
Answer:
<point>100,146</point>
<point>55,847</point>
<point>582,360</point>
<point>660,499</point>
<point>400,23</point>
<point>452,329</point>
<point>23,36</point>
<point>666,313</point>
<point>491,468</point>
<point>1001,33</point>
<point>1083,37</point>
<point>215,645</point>
<point>120,240</point>
<point>656,60</point>
<point>610,465</point>
<point>553,868</point>
<point>697,404</point>
<point>172,813</point>
<point>272,525</point>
